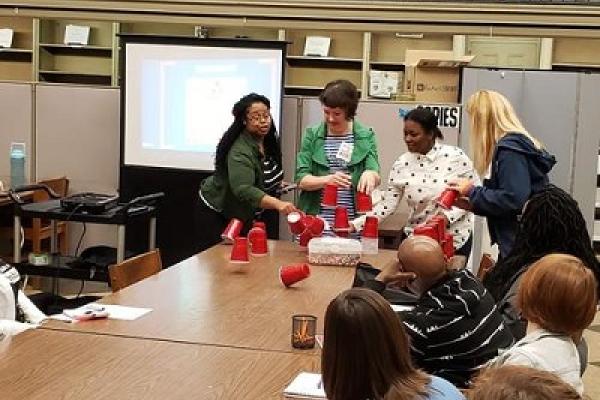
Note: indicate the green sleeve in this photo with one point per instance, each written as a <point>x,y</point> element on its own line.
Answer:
<point>372,159</point>
<point>240,167</point>
<point>304,157</point>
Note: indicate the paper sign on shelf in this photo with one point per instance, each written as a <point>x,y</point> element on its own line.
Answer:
<point>6,38</point>
<point>77,35</point>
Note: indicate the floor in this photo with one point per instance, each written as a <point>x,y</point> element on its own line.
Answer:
<point>591,378</point>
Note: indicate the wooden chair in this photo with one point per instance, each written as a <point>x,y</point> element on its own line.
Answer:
<point>37,230</point>
<point>486,264</point>
<point>134,269</point>
<point>40,229</point>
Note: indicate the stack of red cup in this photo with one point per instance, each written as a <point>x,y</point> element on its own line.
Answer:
<point>258,241</point>
<point>371,228</point>
<point>427,229</point>
<point>435,228</point>
<point>306,226</point>
<point>239,251</point>
<point>329,198</point>
<point>448,245</point>
<point>364,203</point>
<point>341,225</point>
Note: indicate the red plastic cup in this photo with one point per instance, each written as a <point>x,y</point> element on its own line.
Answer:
<point>427,230</point>
<point>440,221</point>
<point>447,198</point>
<point>318,226</point>
<point>371,228</point>
<point>259,224</point>
<point>363,202</point>
<point>341,226</point>
<point>307,221</point>
<point>329,198</point>
<point>258,241</point>
<point>448,245</point>
<point>290,274</point>
<point>295,221</point>
<point>232,230</point>
<point>305,237</point>
<point>239,251</point>
<point>341,218</point>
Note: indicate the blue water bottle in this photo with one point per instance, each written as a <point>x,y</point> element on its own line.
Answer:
<point>17,164</point>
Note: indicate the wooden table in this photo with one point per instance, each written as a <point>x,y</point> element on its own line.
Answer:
<point>44,364</point>
<point>207,300</point>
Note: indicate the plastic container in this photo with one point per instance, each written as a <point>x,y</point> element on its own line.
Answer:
<point>334,251</point>
<point>370,245</point>
<point>17,164</point>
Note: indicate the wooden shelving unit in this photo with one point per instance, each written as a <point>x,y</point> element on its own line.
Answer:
<point>16,62</point>
<point>90,64</point>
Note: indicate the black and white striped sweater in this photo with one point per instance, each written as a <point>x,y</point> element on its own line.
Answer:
<point>455,327</point>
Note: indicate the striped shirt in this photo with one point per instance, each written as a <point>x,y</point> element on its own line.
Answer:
<point>455,327</point>
<point>345,197</point>
<point>272,176</point>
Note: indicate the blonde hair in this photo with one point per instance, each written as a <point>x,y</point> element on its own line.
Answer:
<point>492,117</point>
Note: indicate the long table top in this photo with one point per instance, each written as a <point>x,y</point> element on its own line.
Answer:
<point>45,364</point>
<point>207,300</point>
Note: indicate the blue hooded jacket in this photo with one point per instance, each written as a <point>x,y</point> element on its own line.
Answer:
<point>519,170</point>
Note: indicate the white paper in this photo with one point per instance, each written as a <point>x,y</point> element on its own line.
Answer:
<point>77,35</point>
<point>401,307</point>
<point>6,37</point>
<point>306,385</point>
<point>124,312</point>
<point>114,312</point>
<point>317,46</point>
<point>383,84</point>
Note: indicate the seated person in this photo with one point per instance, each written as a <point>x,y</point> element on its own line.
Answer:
<point>512,382</point>
<point>550,223</point>
<point>454,326</point>
<point>17,312</point>
<point>366,354</point>
<point>557,296</point>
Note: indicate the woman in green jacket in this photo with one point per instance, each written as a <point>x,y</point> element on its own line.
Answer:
<point>248,172</point>
<point>339,151</point>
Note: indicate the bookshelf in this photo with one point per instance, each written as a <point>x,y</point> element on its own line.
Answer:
<point>16,63</point>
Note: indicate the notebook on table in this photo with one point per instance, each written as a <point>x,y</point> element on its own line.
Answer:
<point>306,385</point>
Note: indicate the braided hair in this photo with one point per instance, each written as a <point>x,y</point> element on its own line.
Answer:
<point>551,223</point>
<point>239,111</point>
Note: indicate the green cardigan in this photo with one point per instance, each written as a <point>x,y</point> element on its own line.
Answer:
<point>236,191</point>
<point>311,160</point>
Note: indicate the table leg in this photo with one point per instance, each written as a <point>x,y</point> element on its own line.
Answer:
<point>152,234</point>
<point>17,239</point>
<point>120,243</point>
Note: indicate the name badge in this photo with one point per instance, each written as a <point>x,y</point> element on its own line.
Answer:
<point>10,273</point>
<point>344,153</point>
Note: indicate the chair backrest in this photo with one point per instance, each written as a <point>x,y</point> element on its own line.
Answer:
<point>134,269</point>
<point>486,265</point>
<point>59,185</point>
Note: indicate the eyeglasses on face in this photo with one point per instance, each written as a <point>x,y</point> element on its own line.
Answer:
<point>259,117</point>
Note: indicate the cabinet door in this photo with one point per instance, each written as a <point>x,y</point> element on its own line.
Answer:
<point>504,52</point>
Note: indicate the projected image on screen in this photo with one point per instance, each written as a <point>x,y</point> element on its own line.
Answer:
<point>179,99</point>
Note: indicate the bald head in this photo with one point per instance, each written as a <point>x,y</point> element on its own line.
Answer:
<point>423,256</point>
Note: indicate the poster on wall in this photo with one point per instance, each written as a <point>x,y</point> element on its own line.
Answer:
<point>448,115</point>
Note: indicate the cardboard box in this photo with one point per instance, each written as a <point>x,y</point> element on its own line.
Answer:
<point>433,75</point>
